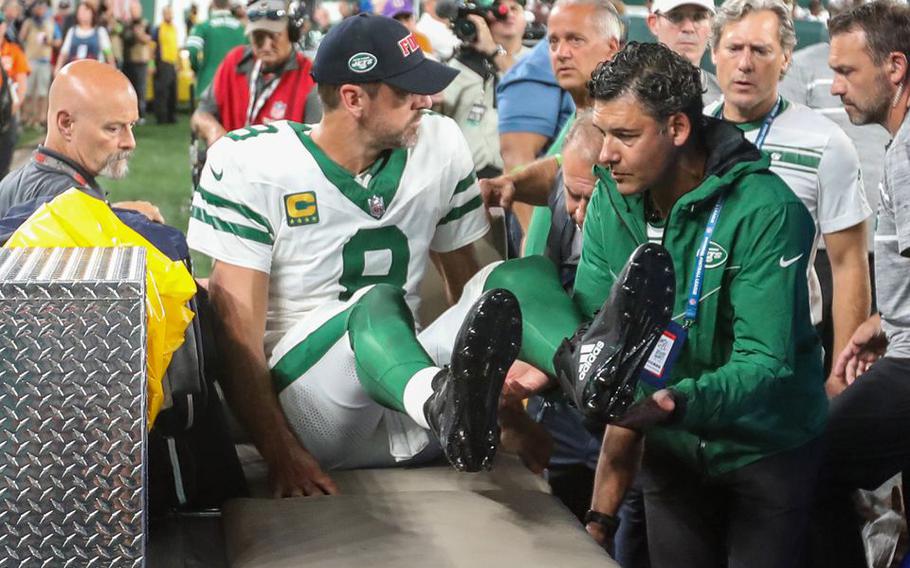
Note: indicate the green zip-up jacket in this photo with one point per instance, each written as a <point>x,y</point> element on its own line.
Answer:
<point>751,369</point>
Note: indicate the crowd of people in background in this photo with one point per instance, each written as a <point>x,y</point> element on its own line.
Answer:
<point>40,37</point>
<point>53,33</point>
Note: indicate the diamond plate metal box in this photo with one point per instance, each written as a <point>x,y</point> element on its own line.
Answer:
<point>72,407</point>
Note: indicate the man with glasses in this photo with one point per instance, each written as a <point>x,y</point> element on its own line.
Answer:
<point>684,27</point>
<point>266,81</point>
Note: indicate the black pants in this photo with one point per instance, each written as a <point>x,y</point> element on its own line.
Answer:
<point>573,485</point>
<point>866,443</point>
<point>754,516</point>
<point>165,93</point>
<point>137,73</point>
<point>8,140</point>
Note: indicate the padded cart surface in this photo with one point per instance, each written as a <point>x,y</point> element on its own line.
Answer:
<point>403,517</point>
<point>414,528</point>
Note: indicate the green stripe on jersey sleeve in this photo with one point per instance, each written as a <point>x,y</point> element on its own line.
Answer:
<point>246,212</point>
<point>771,146</point>
<point>241,231</point>
<point>457,213</point>
<point>794,158</point>
<point>464,184</point>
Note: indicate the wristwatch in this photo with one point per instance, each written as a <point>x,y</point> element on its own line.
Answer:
<point>609,523</point>
<point>500,50</point>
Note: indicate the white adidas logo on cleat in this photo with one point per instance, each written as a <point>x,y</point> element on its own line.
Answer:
<point>589,353</point>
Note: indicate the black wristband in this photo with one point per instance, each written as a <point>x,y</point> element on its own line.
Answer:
<point>608,522</point>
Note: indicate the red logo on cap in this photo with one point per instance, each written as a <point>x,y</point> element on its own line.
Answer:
<point>408,45</point>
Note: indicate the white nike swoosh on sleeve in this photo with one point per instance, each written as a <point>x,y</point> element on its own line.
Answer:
<point>785,263</point>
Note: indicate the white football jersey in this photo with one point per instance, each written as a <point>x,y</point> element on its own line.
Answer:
<point>270,199</point>
<point>819,163</point>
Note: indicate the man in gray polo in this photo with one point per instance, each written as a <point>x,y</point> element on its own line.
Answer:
<point>867,440</point>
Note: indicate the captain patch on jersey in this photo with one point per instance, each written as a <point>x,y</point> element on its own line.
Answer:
<point>301,209</point>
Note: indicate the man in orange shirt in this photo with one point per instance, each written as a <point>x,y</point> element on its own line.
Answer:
<point>16,69</point>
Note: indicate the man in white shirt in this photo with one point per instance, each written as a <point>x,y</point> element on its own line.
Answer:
<point>753,44</point>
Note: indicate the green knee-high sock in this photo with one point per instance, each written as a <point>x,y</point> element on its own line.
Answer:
<point>547,312</point>
<point>387,353</point>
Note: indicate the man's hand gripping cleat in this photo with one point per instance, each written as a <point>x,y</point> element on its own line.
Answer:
<point>463,410</point>
<point>598,367</point>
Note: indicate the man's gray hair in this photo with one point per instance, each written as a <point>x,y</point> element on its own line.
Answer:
<point>735,10</point>
<point>609,22</point>
<point>583,139</point>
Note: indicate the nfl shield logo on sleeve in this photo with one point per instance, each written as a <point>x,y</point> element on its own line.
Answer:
<point>377,206</point>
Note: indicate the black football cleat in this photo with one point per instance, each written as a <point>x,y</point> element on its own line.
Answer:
<point>463,409</point>
<point>598,367</point>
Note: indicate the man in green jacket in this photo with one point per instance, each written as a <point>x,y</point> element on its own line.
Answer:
<point>731,428</point>
<point>728,473</point>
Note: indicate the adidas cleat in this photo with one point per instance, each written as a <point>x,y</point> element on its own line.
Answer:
<point>463,409</point>
<point>598,367</point>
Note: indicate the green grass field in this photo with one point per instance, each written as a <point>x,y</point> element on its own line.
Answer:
<point>160,173</point>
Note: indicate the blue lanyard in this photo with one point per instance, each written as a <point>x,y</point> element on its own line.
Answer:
<point>701,256</point>
<point>766,123</point>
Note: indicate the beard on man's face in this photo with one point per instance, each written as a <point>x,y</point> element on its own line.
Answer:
<point>875,106</point>
<point>387,138</point>
<point>116,165</point>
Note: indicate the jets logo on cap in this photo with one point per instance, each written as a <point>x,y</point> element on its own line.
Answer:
<point>362,62</point>
<point>408,45</point>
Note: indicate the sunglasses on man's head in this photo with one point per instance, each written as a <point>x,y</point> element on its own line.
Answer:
<point>273,15</point>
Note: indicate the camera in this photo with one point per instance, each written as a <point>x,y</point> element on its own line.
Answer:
<point>458,12</point>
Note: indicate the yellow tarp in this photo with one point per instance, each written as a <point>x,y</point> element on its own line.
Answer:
<point>75,219</point>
